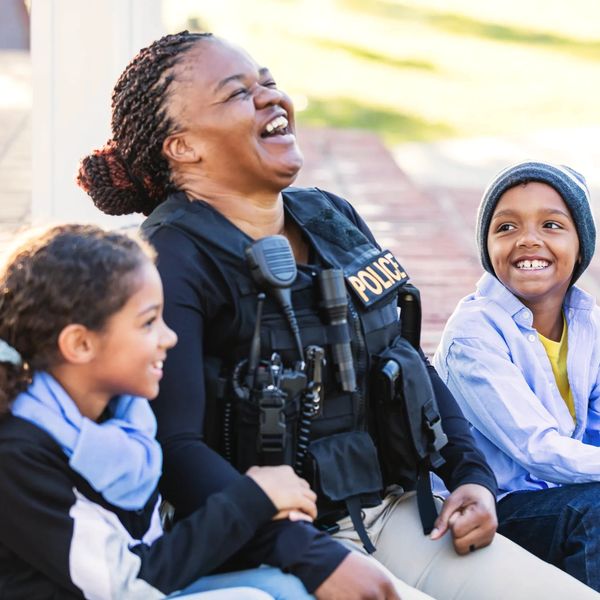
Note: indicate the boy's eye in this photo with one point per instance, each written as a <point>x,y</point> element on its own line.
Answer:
<point>269,83</point>
<point>505,227</point>
<point>552,225</point>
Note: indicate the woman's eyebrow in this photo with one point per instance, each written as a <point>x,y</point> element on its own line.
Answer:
<point>238,77</point>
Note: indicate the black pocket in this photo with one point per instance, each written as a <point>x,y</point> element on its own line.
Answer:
<point>345,474</point>
<point>345,465</point>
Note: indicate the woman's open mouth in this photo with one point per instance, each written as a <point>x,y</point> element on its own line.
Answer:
<point>278,126</point>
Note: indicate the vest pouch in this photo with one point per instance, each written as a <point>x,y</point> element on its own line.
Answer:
<point>344,471</point>
<point>408,424</point>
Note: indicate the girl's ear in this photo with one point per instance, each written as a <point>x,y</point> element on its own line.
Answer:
<point>177,149</point>
<point>76,344</point>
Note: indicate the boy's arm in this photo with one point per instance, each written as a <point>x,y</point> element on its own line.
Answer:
<point>495,397</point>
<point>592,431</point>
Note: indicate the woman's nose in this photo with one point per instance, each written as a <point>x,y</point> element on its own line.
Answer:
<point>265,96</point>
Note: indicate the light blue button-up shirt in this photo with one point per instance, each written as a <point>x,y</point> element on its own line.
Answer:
<point>495,365</point>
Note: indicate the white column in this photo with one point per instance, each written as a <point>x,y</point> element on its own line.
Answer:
<point>78,49</point>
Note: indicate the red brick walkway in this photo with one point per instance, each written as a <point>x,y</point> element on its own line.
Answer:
<point>430,232</point>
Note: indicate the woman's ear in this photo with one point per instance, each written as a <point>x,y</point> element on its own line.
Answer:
<point>177,148</point>
<point>76,344</point>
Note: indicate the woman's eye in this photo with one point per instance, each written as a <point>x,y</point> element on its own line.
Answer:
<point>241,93</point>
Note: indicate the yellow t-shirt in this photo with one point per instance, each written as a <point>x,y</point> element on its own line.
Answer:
<point>557,354</point>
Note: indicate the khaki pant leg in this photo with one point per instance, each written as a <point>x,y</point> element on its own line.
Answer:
<point>503,570</point>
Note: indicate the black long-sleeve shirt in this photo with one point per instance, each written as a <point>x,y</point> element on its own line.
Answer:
<point>199,306</point>
<point>60,539</point>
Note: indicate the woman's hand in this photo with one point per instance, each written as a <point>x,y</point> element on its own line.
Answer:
<point>290,494</point>
<point>470,514</point>
<point>357,578</point>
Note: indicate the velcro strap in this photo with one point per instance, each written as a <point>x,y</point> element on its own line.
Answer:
<point>353,506</point>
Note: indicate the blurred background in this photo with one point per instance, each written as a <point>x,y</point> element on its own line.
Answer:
<point>407,107</point>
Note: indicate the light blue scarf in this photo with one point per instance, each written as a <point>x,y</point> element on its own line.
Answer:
<point>119,457</point>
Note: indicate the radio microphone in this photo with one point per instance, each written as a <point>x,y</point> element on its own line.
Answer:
<point>273,268</point>
<point>335,302</point>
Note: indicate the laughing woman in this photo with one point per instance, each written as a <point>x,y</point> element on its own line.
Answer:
<point>204,143</point>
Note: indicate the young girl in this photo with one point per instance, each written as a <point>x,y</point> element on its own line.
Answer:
<point>82,344</point>
<point>522,357</point>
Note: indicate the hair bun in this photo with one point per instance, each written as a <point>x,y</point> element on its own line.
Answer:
<point>104,175</point>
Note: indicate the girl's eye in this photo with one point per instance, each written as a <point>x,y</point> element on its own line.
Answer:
<point>270,84</point>
<point>148,324</point>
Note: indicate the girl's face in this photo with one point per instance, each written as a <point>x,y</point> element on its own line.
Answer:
<point>133,344</point>
<point>533,243</point>
<point>240,125</point>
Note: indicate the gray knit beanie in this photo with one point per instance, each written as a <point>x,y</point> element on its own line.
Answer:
<point>568,183</point>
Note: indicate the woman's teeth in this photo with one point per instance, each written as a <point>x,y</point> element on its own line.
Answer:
<point>532,264</point>
<point>278,123</point>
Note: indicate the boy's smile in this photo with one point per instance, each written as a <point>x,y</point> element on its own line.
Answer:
<point>533,244</point>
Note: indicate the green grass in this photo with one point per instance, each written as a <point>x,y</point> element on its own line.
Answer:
<point>362,53</point>
<point>394,127</point>
<point>461,24</point>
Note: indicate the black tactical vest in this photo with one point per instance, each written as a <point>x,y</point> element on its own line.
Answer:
<point>341,461</point>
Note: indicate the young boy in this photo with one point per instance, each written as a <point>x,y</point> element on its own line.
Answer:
<point>522,358</point>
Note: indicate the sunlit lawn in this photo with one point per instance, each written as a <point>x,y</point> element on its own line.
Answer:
<point>421,69</point>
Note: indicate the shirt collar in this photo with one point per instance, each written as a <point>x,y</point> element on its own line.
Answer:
<point>490,287</point>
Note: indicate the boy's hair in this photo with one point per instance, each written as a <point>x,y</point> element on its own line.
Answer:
<point>567,182</point>
<point>67,274</point>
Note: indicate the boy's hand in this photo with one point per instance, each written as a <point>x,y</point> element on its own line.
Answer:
<point>470,514</point>
<point>290,494</point>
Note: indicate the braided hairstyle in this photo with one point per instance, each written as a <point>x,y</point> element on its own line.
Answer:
<point>67,274</point>
<point>130,174</point>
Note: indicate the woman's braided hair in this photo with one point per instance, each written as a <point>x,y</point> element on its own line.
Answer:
<point>66,274</point>
<point>130,174</point>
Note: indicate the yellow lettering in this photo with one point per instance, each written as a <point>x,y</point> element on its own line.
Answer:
<point>387,282</point>
<point>383,262</point>
<point>371,282</point>
<point>359,286</point>
<point>392,260</point>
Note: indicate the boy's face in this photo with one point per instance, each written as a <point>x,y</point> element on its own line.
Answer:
<point>533,243</point>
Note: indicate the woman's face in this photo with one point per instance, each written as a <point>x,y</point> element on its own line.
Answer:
<point>229,112</point>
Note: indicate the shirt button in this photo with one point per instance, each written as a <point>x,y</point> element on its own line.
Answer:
<point>525,314</point>
<point>531,337</point>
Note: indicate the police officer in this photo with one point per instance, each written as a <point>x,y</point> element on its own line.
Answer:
<point>204,142</point>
